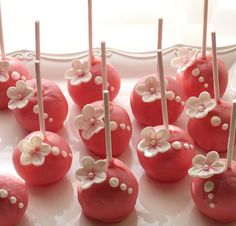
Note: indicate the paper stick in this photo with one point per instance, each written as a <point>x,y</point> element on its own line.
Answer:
<point>107,126</point>
<point>40,99</point>
<point>215,68</point>
<point>159,35</point>
<point>90,31</point>
<point>230,149</point>
<point>163,89</point>
<point>1,37</point>
<point>37,40</point>
<point>204,33</point>
<point>104,66</point>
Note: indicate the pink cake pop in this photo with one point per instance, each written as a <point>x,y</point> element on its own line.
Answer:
<point>92,127</point>
<point>23,101</point>
<point>42,158</point>
<point>209,118</point>
<point>145,98</point>
<point>11,71</point>
<point>108,189</point>
<point>213,185</point>
<point>195,74</point>
<point>13,200</point>
<point>84,77</point>
<point>165,152</point>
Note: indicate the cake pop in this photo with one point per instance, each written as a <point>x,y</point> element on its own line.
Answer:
<point>105,185</point>
<point>195,73</point>
<point>11,71</point>
<point>92,127</point>
<point>84,77</point>
<point>23,101</point>
<point>209,118</point>
<point>13,199</point>
<point>213,185</point>
<point>145,98</point>
<point>165,152</point>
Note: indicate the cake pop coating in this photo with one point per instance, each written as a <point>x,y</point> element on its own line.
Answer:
<point>85,81</point>
<point>13,199</point>
<point>24,104</point>
<point>11,71</point>
<point>145,100</point>
<point>92,128</point>
<point>42,161</point>
<point>104,189</point>
<point>165,156</point>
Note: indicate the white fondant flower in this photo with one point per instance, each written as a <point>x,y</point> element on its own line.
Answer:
<point>91,172</point>
<point>79,73</point>
<point>185,58</point>
<point>154,142</point>
<point>4,65</point>
<point>199,107</point>
<point>205,167</point>
<point>90,121</point>
<point>150,90</point>
<point>33,151</point>
<point>19,95</point>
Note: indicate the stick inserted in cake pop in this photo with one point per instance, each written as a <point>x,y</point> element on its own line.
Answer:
<point>159,35</point>
<point>163,90</point>
<point>90,31</point>
<point>2,47</point>
<point>204,32</point>
<point>37,40</point>
<point>104,66</point>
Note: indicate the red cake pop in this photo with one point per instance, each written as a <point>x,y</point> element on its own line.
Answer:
<point>92,127</point>
<point>165,151</point>
<point>11,71</point>
<point>13,200</point>
<point>145,98</point>
<point>213,186</point>
<point>23,101</point>
<point>195,73</point>
<point>106,184</point>
<point>84,77</point>
<point>209,118</point>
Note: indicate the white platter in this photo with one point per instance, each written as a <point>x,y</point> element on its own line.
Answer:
<point>56,205</point>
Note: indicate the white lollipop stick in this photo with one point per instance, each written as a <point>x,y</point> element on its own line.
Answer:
<point>163,90</point>
<point>107,126</point>
<point>37,40</point>
<point>159,35</point>
<point>40,99</point>
<point>1,36</point>
<point>230,149</point>
<point>204,33</point>
<point>215,68</point>
<point>90,31</point>
<point>104,66</point>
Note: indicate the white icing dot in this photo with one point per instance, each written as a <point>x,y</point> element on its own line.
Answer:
<point>201,79</point>
<point>170,95</point>
<point>130,191</point>
<point>176,145</point>
<point>36,109</point>
<point>123,187</point>
<point>113,125</point>
<point>215,121</point>
<point>55,151</point>
<point>45,115</point>
<point>70,155</point>
<point>98,80</point>
<point>186,146</point>
<point>208,186</point>
<point>182,103</point>
<point>112,89</point>
<point>21,205</point>
<point>177,99</point>
<point>23,78</point>
<point>191,146</point>
<point>64,154</point>
<point>212,205</point>
<point>13,199</point>
<point>196,72</point>
<point>225,126</point>
<point>122,126</point>
<point>205,85</point>
<point>114,182</point>
<point>210,196</point>
<point>15,75</point>
<point>128,128</point>
<point>3,193</point>
<point>50,119</point>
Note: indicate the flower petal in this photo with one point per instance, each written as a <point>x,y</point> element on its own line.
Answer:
<point>4,76</point>
<point>81,173</point>
<point>163,147</point>
<point>141,89</point>
<point>151,82</point>
<point>143,145</point>
<point>193,103</point>
<point>20,86</point>
<point>70,74</point>
<point>99,177</point>
<point>37,159</point>
<point>218,167</point>
<point>86,183</point>
<point>80,123</point>
<point>162,135</point>
<point>4,65</point>
<point>25,146</point>
<point>13,104</point>
<point>100,165</point>
<point>88,111</point>
<point>25,159</point>
<point>86,67</point>
<point>150,152</point>
<point>76,64</point>
<point>35,141</point>
<point>204,97</point>
<point>151,97</point>
<point>148,133</point>
<point>199,160</point>
<point>12,92</point>
<point>99,113</point>
<point>88,162</point>
<point>212,157</point>
<point>176,62</point>
<point>184,52</point>
<point>75,81</point>
<point>45,149</point>
<point>86,78</point>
